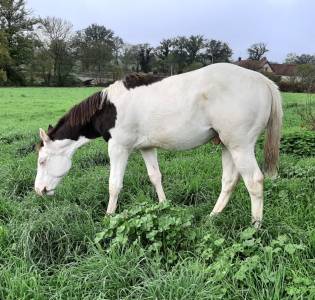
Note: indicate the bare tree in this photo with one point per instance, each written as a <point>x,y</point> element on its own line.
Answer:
<point>55,29</point>
<point>256,51</point>
<point>55,35</point>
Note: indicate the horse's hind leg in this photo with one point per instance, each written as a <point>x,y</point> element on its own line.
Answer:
<point>151,162</point>
<point>230,177</point>
<point>245,161</point>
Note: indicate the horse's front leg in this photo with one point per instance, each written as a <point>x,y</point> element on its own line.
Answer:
<point>118,156</point>
<point>151,162</point>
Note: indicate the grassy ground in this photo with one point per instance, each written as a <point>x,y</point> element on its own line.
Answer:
<point>48,248</point>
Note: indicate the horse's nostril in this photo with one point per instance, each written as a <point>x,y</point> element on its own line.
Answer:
<point>44,191</point>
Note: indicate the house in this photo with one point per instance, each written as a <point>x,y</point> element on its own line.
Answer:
<point>286,72</point>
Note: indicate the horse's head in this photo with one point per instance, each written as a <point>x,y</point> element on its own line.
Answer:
<point>54,162</point>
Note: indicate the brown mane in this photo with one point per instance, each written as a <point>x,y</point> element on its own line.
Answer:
<point>81,113</point>
<point>138,79</point>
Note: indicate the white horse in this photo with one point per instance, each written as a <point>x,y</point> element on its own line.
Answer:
<point>181,112</point>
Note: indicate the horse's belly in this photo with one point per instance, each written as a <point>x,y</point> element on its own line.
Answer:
<point>181,139</point>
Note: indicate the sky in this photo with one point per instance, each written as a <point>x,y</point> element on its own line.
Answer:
<point>284,25</point>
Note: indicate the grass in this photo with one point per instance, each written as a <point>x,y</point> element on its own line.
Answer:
<point>47,247</point>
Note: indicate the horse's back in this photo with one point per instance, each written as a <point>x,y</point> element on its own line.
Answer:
<point>182,111</point>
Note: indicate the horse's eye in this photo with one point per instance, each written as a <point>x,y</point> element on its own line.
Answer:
<point>42,162</point>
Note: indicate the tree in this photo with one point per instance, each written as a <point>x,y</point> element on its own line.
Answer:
<point>164,49</point>
<point>17,25</point>
<point>145,57</point>
<point>217,51</point>
<point>55,35</point>
<point>193,45</point>
<point>164,57</point>
<point>179,53</point>
<point>4,56</point>
<point>130,58</point>
<point>256,51</point>
<point>98,49</point>
<point>293,58</point>
<point>306,73</point>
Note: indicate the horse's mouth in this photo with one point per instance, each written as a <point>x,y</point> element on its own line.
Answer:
<point>45,192</point>
<point>50,192</point>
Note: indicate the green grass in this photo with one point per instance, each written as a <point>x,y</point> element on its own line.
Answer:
<point>47,248</point>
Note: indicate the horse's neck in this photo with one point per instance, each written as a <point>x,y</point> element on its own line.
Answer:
<point>75,145</point>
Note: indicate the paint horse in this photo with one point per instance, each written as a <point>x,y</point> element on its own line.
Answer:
<point>221,101</point>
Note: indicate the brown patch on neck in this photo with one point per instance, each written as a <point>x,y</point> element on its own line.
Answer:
<point>81,113</point>
<point>92,118</point>
<point>134,80</point>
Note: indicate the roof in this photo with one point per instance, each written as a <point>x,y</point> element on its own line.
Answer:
<point>284,69</point>
<point>278,69</point>
<point>252,64</point>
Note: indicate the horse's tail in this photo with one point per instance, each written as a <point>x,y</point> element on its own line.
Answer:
<point>273,132</point>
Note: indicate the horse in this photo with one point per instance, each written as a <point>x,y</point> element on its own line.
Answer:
<point>224,102</point>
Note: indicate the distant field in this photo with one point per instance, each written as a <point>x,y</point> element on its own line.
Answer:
<point>47,248</point>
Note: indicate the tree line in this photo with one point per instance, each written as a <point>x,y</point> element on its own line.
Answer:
<point>35,50</point>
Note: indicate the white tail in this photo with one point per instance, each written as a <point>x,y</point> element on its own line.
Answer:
<point>273,132</point>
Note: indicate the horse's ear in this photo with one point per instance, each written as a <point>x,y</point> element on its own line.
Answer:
<point>50,127</point>
<point>43,135</point>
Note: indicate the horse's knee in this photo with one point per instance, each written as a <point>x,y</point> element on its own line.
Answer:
<point>155,177</point>
<point>255,184</point>
<point>114,189</point>
<point>229,182</point>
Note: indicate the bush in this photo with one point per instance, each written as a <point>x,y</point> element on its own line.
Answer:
<point>157,228</point>
<point>302,143</point>
<point>273,77</point>
<point>294,87</point>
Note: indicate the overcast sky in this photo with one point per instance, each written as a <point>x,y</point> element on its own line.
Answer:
<point>285,25</point>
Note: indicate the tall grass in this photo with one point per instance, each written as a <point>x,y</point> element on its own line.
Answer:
<point>47,247</point>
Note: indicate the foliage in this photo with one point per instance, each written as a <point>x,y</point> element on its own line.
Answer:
<point>217,51</point>
<point>307,113</point>
<point>47,244</point>
<point>158,228</point>
<point>273,77</point>
<point>145,57</point>
<point>302,144</point>
<point>182,53</point>
<point>306,73</point>
<point>250,257</point>
<point>293,58</point>
<point>17,25</point>
<point>295,87</point>
<point>94,48</point>
<point>4,56</point>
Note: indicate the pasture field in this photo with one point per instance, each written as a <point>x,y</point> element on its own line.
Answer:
<point>63,248</point>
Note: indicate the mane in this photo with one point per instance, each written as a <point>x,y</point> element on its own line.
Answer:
<point>81,113</point>
<point>134,80</point>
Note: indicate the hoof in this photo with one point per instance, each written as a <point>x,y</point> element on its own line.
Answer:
<point>257,224</point>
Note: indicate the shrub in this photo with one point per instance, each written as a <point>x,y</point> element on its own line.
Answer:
<point>295,87</point>
<point>249,260</point>
<point>301,143</point>
<point>273,77</point>
<point>157,228</point>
